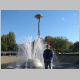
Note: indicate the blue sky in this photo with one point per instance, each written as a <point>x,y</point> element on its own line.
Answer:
<point>54,23</point>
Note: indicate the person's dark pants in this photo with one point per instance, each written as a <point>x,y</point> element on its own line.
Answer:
<point>47,64</point>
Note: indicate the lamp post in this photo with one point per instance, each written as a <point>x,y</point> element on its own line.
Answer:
<point>38,16</point>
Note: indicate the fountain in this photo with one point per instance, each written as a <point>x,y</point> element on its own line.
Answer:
<point>33,52</point>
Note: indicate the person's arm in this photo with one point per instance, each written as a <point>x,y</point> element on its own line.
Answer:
<point>52,53</point>
<point>43,54</point>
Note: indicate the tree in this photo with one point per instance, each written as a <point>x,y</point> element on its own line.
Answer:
<point>11,42</point>
<point>76,46</point>
<point>8,42</point>
<point>59,43</point>
<point>4,43</point>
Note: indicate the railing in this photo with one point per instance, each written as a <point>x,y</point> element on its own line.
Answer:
<point>14,53</point>
<point>72,53</point>
<point>9,53</point>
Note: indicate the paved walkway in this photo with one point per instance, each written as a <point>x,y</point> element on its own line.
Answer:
<point>11,59</point>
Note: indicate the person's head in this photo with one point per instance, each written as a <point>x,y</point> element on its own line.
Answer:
<point>47,46</point>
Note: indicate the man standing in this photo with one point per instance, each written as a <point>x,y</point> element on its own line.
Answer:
<point>47,55</point>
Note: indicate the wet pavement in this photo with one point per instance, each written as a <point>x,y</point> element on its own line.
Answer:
<point>24,66</point>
